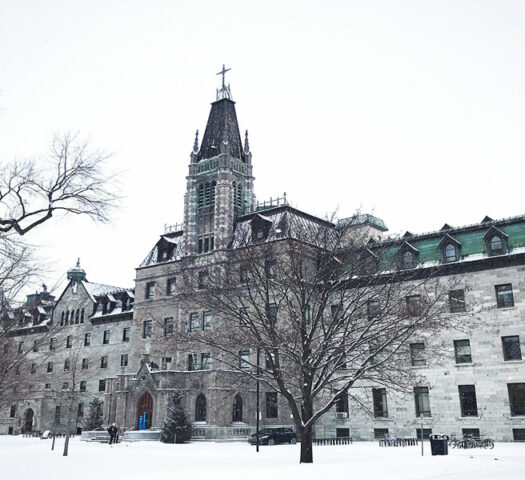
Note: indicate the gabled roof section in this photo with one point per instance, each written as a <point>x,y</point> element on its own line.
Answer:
<point>95,289</point>
<point>487,219</point>
<point>449,239</point>
<point>407,234</point>
<point>495,231</point>
<point>445,227</point>
<point>167,249</point>
<point>407,247</point>
<point>222,132</point>
<point>286,222</point>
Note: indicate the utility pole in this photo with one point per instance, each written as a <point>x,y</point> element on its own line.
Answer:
<point>258,406</point>
<point>421,416</point>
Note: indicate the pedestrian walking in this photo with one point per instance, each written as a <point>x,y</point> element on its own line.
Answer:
<point>113,432</point>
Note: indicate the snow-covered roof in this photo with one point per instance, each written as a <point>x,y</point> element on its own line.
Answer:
<point>95,289</point>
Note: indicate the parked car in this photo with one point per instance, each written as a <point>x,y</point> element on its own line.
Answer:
<point>273,436</point>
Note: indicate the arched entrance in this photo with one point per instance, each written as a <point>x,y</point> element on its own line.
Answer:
<point>200,408</point>
<point>237,409</point>
<point>28,420</point>
<point>145,405</point>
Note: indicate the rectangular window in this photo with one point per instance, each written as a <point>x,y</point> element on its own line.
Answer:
<point>105,339</point>
<point>83,385</point>
<point>516,398</point>
<point>69,341</point>
<point>33,368</point>
<point>67,364</point>
<point>124,360</point>
<point>205,243</point>
<point>372,309</point>
<point>270,267</point>
<point>12,413</point>
<point>80,410</point>
<point>462,351</point>
<point>170,286</point>
<point>51,344</point>
<point>85,364</point>
<point>57,414</point>
<point>146,328</point>
<point>413,305</point>
<point>205,361</point>
<point>206,321</point>
<point>422,400</point>
<point>126,333</point>
<point>518,434</point>
<point>87,339</point>
<point>35,346</point>
<point>244,359</point>
<point>426,433</point>
<point>193,362</point>
<point>471,431</point>
<point>511,348</point>
<point>20,346</point>
<point>336,312</point>
<point>195,321</point>
<point>65,385</point>
<point>504,296</point>
<point>203,279</point>
<point>104,362</point>
<point>168,326</point>
<point>272,313</point>
<point>467,400</point>
<point>380,433</point>
<point>243,274</point>
<point>272,407</point>
<point>102,385</point>
<point>150,290</point>
<point>49,367</point>
<point>308,313</point>
<point>47,386</point>
<point>417,354</point>
<point>166,363</point>
<point>379,400</point>
<point>341,406</point>
<point>243,317</point>
<point>456,301</point>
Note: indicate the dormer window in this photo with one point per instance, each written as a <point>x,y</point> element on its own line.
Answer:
<point>407,256</point>
<point>409,260</point>
<point>450,249</point>
<point>450,253</point>
<point>495,241</point>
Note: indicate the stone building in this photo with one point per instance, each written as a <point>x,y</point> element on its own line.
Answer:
<point>477,386</point>
<point>69,347</point>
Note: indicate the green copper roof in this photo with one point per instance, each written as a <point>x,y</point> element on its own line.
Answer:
<point>471,239</point>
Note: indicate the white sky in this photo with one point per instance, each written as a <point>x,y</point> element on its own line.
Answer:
<point>412,110</point>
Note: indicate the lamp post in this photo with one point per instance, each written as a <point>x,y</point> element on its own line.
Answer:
<point>258,406</point>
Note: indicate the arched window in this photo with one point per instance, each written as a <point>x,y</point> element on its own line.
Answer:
<point>201,195</point>
<point>496,246</point>
<point>62,318</point>
<point>77,316</point>
<point>67,317</point>
<point>238,197</point>
<point>82,316</point>
<point>213,185</point>
<point>237,409</point>
<point>450,253</point>
<point>409,260</point>
<point>200,408</point>
<point>207,194</point>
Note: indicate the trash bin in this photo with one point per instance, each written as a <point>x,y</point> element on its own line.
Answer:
<point>438,444</point>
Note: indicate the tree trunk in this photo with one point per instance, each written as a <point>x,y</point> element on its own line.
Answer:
<point>307,454</point>
<point>66,445</point>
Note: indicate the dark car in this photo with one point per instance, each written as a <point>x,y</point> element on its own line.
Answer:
<point>273,436</point>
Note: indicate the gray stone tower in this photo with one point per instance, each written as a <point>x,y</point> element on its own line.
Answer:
<point>220,181</point>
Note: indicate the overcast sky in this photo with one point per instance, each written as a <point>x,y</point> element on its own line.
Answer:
<point>411,110</point>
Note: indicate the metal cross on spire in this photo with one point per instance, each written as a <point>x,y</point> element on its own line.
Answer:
<point>224,92</point>
<point>223,73</point>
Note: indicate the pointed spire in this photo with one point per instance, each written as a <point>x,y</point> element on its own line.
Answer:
<point>225,144</point>
<point>78,262</point>
<point>246,143</point>
<point>196,143</point>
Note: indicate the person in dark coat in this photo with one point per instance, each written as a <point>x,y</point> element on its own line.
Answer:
<point>112,434</point>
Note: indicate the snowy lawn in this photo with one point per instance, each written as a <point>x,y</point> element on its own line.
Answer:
<point>29,458</point>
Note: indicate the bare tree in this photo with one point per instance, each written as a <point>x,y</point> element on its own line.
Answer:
<point>70,180</point>
<point>325,314</point>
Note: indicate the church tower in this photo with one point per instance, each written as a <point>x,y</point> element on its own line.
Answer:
<point>220,181</point>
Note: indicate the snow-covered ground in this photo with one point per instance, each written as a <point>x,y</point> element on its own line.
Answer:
<point>28,458</point>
